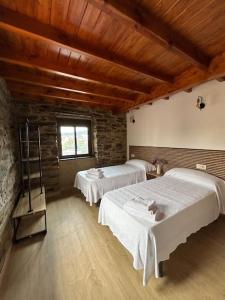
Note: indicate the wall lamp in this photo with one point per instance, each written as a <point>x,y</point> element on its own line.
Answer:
<point>201,102</point>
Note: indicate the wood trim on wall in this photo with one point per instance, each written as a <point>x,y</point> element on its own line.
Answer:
<point>183,158</point>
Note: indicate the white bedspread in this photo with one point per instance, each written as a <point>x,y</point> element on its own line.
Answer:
<point>114,177</point>
<point>187,207</point>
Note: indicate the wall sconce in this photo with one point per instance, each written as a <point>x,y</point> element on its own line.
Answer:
<point>201,103</point>
<point>132,119</point>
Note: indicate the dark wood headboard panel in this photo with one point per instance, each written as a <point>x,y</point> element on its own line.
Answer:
<point>183,158</point>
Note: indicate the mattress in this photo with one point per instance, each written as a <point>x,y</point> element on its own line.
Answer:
<point>114,177</point>
<point>187,206</point>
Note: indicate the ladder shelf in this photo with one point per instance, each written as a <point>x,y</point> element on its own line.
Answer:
<point>29,216</point>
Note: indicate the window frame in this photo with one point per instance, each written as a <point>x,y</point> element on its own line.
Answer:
<point>74,123</point>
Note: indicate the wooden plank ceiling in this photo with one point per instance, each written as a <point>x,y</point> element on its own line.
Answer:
<point>117,54</point>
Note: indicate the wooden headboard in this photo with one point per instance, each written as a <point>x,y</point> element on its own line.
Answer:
<point>183,158</point>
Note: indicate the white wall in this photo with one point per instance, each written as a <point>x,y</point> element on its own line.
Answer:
<point>178,123</point>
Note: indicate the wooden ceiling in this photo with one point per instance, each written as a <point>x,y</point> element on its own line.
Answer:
<point>117,54</point>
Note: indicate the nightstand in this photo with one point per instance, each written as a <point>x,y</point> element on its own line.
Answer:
<point>152,175</point>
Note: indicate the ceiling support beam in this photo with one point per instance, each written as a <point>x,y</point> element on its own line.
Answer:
<point>78,73</point>
<point>31,98</point>
<point>51,86</point>
<point>9,71</point>
<point>22,24</point>
<point>188,79</point>
<point>56,93</point>
<point>146,23</point>
<point>221,79</point>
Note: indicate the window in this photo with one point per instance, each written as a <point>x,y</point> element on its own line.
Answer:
<point>74,138</point>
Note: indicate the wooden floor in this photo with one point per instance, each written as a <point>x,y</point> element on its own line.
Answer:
<point>79,259</point>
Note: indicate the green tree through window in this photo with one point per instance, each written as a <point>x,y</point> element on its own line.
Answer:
<point>75,139</point>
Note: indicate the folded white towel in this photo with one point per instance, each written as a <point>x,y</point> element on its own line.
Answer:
<point>95,171</point>
<point>146,209</point>
<point>137,204</point>
<point>150,205</point>
<point>139,208</point>
<point>94,177</point>
<point>145,214</point>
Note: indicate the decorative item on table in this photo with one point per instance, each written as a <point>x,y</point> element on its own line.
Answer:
<point>159,165</point>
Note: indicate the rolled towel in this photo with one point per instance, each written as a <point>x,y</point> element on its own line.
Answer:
<point>159,216</point>
<point>152,207</point>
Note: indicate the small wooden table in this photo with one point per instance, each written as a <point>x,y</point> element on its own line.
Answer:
<point>152,175</point>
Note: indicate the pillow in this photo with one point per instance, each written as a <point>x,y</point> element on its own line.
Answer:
<point>192,175</point>
<point>202,178</point>
<point>143,164</point>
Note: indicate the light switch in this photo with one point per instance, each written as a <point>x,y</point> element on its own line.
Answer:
<point>201,167</point>
<point>132,155</point>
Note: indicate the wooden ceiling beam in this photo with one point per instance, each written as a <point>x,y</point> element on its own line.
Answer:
<point>43,64</point>
<point>22,24</point>
<point>221,79</point>
<point>39,83</point>
<point>42,99</point>
<point>9,71</point>
<point>148,24</point>
<point>188,79</point>
<point>55,93</point>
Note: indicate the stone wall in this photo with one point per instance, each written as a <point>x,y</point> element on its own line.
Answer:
<point>9,168</point>
<point>109,136</point>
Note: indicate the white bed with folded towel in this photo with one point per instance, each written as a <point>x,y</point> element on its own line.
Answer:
<point>94,183</point>
<point>186,200</point>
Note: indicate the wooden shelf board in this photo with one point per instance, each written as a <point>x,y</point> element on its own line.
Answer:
<point>38,203</point>
<point>154,174</point>
<point>32,176</point>
<point>30,159</point>
<point>30,225</point>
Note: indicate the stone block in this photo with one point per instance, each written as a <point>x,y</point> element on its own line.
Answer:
<point>9,168</point>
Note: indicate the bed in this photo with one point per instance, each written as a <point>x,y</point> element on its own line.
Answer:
<point>133,171</point>
<point>190,200</point>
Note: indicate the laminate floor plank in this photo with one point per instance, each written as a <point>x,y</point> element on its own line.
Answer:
<point>79,259</point>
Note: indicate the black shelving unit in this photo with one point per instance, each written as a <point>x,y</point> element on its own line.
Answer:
<point>30,216</point>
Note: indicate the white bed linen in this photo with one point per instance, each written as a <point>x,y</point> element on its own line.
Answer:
<point>187,207</point>
<point>114,177</point>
